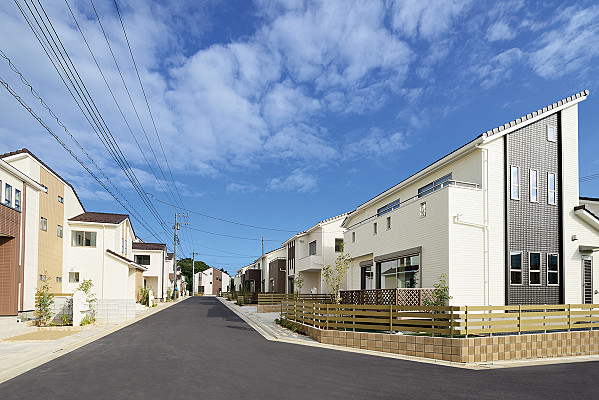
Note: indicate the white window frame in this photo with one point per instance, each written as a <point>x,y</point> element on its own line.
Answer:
<point>533,186</point>
<point>553,272</point>
<point>388,223</point>
<point>514,269</point>
<point>550,190</point>
<point>549,128</point>
<point>374,228</point>
<point>423,209</point>
<point>536,271</point>
<point>512,184</point>
<point>78,277</point>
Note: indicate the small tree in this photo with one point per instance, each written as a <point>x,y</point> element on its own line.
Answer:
<point>298,283</point>
<point>333,276</point>
<point>90,298</point>
<point>43,301</point>
<point>144,295</point>
<point>441,295</point>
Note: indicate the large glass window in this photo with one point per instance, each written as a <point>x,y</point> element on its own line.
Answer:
<point>515,183</point>
<point>534,268</point>
<point>515,268</point>
<point>552,269</point>
<point>142,259</point>
<point>435,185</point>
<point>403,272</point>
<point>84,239</point>
<point>313,248</point>
<point>366,278</point>
<point>551,188</point>
<point>534,185</point>
<point>8,195</point>
<point>17,200</point>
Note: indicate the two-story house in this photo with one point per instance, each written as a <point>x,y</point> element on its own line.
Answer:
<point>501,217</point>
<point>153,256</point>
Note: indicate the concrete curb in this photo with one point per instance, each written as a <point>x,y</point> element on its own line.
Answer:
<point>30,364</point>
<point>476,366</point>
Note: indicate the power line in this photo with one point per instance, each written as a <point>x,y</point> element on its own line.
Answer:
<point>220,219</point>
<point>222,251</point>
<point>230,236</point>
<point>589,177</point>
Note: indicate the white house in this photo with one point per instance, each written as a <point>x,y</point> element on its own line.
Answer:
<point>212,281</point>
<point>310,251</point>
<point>153,257</point>
<point>501,217</point>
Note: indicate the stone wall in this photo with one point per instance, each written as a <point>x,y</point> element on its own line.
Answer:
<point>464,350</point>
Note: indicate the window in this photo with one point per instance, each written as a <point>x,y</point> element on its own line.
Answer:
<point>313,248</point>
<point>551,188</point>
<point>17,200</point>
<point>388,223</point>
<point>84,239</point>
<point>338,245</point>
<point>515,268</point>
<point>43,224</point>
<point>59,231</point>
<point>552,270</point>
<point>60,199</point>
<point>58,279</point>
<point>374,232</point>
<point>534,268</point>
<point>515,183</point>
<point>435,185</point>
<point>551,133</point>
<point>388,208</point>
<point>403,272</point>
<point>353,237</point>
<point>142,259</point>
<point>126,247</point>
<point>122,245</point>
<point>534,185</point>
<point>423,209</point>
<point>43,278</point>
<point>8,195</point>
<point>73,277</point>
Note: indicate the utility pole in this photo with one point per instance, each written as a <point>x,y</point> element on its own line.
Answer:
<point>193,273</point>
<point>175,257</point>
<point>262,246</point>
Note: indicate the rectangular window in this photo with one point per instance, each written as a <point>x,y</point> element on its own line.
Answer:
<point>515,183</point>
<point>58,279</point>
<point>400,273</point>
<point>551,133</point>
<point>534,185</point>
<point>338,245</point>
<point>534,268</point>
<point>551,188</point>
<point>43,278</point>
<point>59,231</point>
<point>83,239</point>
<point>423,209</point>
<point>435,185</point>
<point>374,232</point>
<point>122,245</point>
<point>43,224</point>
<point>353,237</point>
<point>552,269</point>
<point>388,223</point>
<point>388,208</point>
<point>8,195</point>
<point>142,259</point>
<point>73,277</point>
<point>60,199</point>
<point>313,248</point>
<point>515,267</point>
<point>17,200</point>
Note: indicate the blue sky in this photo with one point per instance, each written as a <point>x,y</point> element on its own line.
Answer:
<point>280,114</point>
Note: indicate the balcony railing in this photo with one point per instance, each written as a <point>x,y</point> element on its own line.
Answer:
<point>413,199</point>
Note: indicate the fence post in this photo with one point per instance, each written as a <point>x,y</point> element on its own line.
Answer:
<point>390,318</point>
<point>451,322</point>
<point>327,320</point>
<point>569,317</point>
<point>314,314</point>
<point>519,319</point>
<point>466,320</point>
<point>419,298</point>
<point>295,311</point>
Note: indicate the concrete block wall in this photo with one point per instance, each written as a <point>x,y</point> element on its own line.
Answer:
<point>9,327</point>
<point>112,311</point>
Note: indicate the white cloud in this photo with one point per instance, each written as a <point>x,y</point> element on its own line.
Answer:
<point>500,31</point>
<point>298,180</point>
<point>428,19</point>
<point>571,45</point>
<point>240,187</point>
<point>376,144</point>
<point>499,68</point>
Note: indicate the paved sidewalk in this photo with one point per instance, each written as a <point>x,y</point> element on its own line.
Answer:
<point>19,357</point>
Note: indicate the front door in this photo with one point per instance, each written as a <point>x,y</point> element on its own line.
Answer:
<point>587,273</point>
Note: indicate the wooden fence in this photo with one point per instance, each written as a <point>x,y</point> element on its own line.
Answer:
<point>277,298</point>
<point>448,320</point>
<point>404,297</point>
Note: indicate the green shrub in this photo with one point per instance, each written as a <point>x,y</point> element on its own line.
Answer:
<point>43,301</point>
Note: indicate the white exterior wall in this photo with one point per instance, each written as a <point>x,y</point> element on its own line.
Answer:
<point>226,282</point>
<point>30,265</point>
<point>154,273</point>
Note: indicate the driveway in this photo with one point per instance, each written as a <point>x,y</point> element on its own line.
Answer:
<point>200,349</point>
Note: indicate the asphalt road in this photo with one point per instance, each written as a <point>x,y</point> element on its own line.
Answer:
<point>199,349</point>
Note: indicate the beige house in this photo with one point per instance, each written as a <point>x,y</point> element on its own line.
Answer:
<point>501,217</point>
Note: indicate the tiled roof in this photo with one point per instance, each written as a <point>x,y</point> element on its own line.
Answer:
<point>148,246</point>
<point>535,114</point>
<point>27,151</point>
<point>102,218</point>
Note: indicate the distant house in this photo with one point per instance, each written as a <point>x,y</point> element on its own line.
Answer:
<point>501,217</point>
<point>153,256</point>
<point>310,251</point>
<point>212,281</point>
